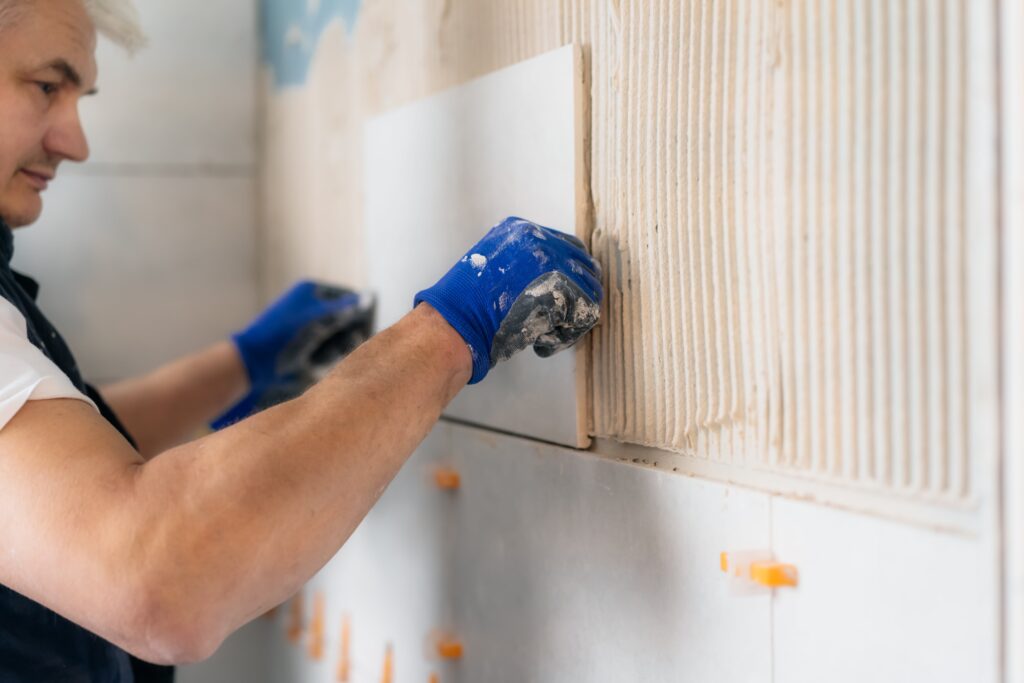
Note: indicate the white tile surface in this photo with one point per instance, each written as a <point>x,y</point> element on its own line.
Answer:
<point>571,568</point>
<point>389,578</point>
<point>187,98</point>
<point>882,602</point>
<point>136,271</point>
<point>551,565</point>
<point>439,173</point>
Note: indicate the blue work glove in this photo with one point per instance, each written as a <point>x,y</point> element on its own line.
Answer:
<point>521,285</point>
<point>288,346</point>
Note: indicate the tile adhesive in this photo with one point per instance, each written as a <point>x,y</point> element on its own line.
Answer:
<point>780,200</point>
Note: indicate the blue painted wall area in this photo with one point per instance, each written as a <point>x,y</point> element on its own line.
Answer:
<point>291,30</point>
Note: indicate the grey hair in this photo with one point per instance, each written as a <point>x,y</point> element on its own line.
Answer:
<point>116,20</point>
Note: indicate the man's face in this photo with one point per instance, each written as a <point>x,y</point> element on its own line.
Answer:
<point>47,63</point>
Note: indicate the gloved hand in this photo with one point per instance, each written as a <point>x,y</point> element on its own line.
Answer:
<point>521,285</point>
<point>299,336</point>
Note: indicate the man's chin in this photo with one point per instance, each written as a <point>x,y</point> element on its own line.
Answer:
<point>21,213</point>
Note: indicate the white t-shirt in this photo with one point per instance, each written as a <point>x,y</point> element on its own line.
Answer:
<point>26,374</point>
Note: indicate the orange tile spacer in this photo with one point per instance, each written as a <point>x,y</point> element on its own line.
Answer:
<point>447,478</point>
<point>316,629</point>
<point>296,615</point>
<point>773,574</point>
<point>449,649</point>
<point>344,661</point>
<point>723,561</point>
<point>434,678</point>
<point>387,675</point>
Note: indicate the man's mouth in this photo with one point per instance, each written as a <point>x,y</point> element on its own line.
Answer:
<point>37,179</point>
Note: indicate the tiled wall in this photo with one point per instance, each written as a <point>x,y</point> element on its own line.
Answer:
<point>149,250</point>
<point>794,203</point>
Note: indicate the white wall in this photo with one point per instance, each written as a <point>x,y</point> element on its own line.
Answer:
<point>148,250</point>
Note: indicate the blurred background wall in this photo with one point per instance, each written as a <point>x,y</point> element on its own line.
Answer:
<point>149,250</point>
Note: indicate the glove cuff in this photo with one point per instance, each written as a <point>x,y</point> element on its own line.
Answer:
<point>449,298</point>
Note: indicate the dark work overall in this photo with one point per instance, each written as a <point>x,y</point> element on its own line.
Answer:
<point>36,644</point>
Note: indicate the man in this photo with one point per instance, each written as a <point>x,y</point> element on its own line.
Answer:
<point>164,550</point>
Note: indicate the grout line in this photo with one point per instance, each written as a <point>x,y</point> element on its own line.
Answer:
<point>516,435</point>
<point>936,515</point>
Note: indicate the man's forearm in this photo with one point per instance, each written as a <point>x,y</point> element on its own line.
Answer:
<point>280,492</point>
<point>166,557</point>
<point>167,406</point>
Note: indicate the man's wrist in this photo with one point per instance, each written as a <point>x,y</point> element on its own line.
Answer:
<point>453,348</point>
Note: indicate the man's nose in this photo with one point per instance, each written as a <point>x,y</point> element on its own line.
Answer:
<point>66,138</point>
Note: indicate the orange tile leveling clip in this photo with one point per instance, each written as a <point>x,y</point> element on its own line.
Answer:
<point>447,478</point>
<point>449,649</point>
<point>316,629</point>
<point>758,568</point>
<point>345,659</point>
<point>296,615</point>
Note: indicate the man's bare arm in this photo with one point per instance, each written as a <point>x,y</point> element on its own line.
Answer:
<point>165,558</point>
<point>170,405</point>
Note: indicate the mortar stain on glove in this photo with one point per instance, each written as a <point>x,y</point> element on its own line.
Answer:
<point>296,340</point>
<point>551,314</point>
<point>521,285</point>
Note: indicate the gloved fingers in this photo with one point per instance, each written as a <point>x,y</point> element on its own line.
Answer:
<point>567,250</point>
<point>510,224</point>
<point>580,252</point>
<point>336,310</point>
<point>328,292</point>
<point>550,314</point>
<point>325,340</point>
<point>575,319</point>
<point>307,300</point>
<point>590,267</point>
<point>323,327</point>
<point>337,346</point>
<point>558,339</point>
<point>573,240</point>
<point>549,239</point>
<point>589,284</point>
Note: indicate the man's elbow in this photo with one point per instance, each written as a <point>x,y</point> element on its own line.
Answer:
<point>171,631</point>
<point>174,599</point>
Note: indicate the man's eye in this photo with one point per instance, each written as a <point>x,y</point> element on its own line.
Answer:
<point>47,88</point>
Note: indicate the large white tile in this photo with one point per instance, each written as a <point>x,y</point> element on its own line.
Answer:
<point>567,567</point>
<point>550,565</point>
<point>187,98</point>
<point>389,579</point>
<point>136,271</point>
<point>439,173</point>
<point>881,601</point>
